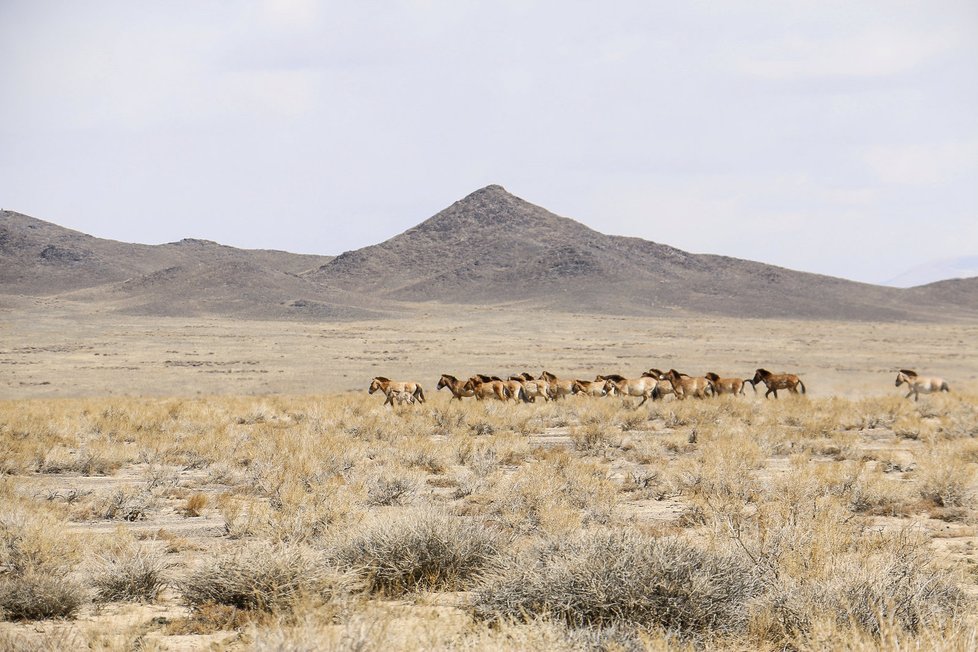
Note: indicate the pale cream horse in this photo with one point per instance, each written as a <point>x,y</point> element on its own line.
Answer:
<point>920,384</point>
<point>392,388</point>
<point>646,387</point>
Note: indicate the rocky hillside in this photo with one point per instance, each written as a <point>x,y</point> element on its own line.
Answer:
<point>488,248</point>
<point>494,247</point>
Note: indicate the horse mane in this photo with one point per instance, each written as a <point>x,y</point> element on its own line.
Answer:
<point>649,374</point>
<point>450,377</point>
<point>382,379</point>
<point>908,372</point>
<point>712,376</point>
<point>764,373</point>
<point>527,376</point>
<point>548,376</point>
<point>495,378</point>
<point>615,378</point>
<point>484,378</point>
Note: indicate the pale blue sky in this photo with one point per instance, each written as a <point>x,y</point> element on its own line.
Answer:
<point>834,137</point>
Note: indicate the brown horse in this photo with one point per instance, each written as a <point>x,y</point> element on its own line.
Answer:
<point>733,386</point>
<point>391,387</point>
<point>920,384</point>
<point>483,389</point>
<point>558,388</point>
<point>774,382</point>
<point>454,385</point>
<point>683,385</point>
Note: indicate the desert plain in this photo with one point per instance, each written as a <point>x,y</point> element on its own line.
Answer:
<point>179,483</point>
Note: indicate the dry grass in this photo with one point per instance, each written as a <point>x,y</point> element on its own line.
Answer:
<point>314,521</point>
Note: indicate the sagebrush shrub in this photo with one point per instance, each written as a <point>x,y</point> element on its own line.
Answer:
<point>419,550</point>
<point>133,573</point>
<point>266,577</point>
<point>604,578</point>
<point>36,595</point>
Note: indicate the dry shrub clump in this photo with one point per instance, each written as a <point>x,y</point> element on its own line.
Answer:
<point>264,577</point>
<point>129,572</point>
<point>419,550</point>
<point>818,562</point>
<point>36,559</point>
<point>556,495</point>
<point>602,578</point>
<point>944,478</point>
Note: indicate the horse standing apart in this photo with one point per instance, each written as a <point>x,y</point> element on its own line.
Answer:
<point>390,387</point>
<point>455,386</point>
<point>683,385</point>
<point>774,382</point>
<point>730,385</point>
<point>920,384</point>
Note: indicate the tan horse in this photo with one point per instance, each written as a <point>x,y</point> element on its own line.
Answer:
<point>920,384</point>
<point>390,387</point>
<point>403,397</point>
<point>733,386</point>
<point>683,385</point>
<point>533,387</point>
<point>664,388</point>
<point>486,389</point>
<point>646,387</point>
<point>595,388</point>
<point>558,388</point>
<point>774,382</point>
<point>455,386</point>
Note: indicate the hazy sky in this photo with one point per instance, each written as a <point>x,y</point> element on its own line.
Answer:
<point>835,137</point>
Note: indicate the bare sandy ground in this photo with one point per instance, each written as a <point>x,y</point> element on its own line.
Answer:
<point>50,349</point>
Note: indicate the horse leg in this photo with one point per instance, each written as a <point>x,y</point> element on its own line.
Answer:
<point>909,394</point>
<point>645,397</point>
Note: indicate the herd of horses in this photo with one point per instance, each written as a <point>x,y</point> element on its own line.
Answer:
<point>653,384</point>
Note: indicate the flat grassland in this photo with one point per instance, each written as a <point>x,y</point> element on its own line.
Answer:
<point>178,484</point>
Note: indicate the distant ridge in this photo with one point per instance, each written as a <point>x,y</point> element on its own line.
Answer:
<point>489,247</point>
<point>964,267</point>
<point>492,247</point>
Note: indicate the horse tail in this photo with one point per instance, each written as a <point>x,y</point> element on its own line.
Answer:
<point>944,387</point>
<point>419,394</point>
<point>752,385</point>
<point>523,396</point>
<point>802,386</point>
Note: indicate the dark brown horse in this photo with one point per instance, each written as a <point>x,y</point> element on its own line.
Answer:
<point>774,382</point>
